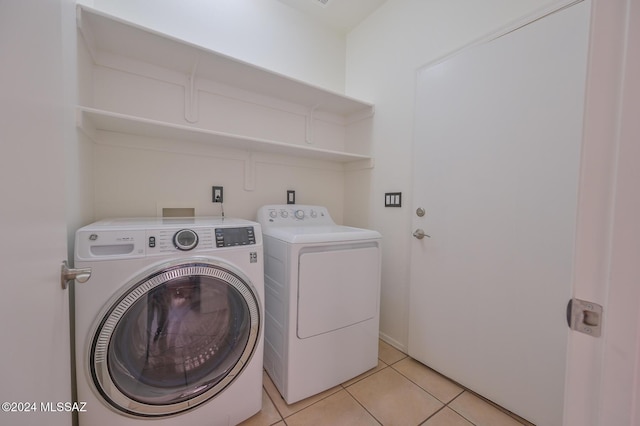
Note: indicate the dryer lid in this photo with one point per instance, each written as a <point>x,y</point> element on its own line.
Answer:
<point>294,223</point>
<point>320,234</point>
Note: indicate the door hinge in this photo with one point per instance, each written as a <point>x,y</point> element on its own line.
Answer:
<point>585,317</point>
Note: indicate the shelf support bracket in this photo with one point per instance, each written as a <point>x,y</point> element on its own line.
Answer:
<point>86,126</point>
<point>191,95</point>
<point>309,125</point>
<point>86,33</point>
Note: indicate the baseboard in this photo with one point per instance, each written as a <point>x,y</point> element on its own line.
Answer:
<point>393,342</point>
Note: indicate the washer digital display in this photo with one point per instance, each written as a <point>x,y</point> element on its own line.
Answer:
<point>229,237</point>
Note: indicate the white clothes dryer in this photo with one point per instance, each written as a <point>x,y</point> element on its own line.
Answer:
<point>169,328</point>
<point>322,293</point>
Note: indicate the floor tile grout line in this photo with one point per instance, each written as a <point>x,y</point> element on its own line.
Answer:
<point>284,419</point>
<point>359,403</point>
<point>390,365</point>
<point>310,405</point>
<point>433,415</point>
<point>427,391</point>
<point>274,405</point>
<point>514,416</point>
<point>341,385</point>
<point>501,409</point>
<point>456,411</point>
<point>364,377</point>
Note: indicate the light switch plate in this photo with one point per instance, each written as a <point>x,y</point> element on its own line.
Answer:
<point>393,199</point>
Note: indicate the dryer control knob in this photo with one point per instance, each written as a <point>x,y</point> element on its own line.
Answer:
<point>299,214</point>
<point>314,214</point>
<point>273,214</point>
<point>284,213</point>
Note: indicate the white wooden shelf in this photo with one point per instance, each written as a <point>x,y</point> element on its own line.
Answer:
<point>91,119</point>
<point>108,35</point>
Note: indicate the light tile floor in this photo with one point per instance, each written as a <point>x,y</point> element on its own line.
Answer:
<point>398,392</point>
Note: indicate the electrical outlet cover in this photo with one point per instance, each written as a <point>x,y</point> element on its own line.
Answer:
<point>217,195</point>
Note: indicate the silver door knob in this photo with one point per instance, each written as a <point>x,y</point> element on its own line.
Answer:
<point>419,234</point>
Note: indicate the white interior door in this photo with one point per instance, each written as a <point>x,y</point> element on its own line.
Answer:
<point>34,331</point>
<point>496,165</point>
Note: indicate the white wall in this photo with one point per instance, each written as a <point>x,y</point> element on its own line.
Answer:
<point>383,54</point>
<point>269,34</point>
<point>137,176</point>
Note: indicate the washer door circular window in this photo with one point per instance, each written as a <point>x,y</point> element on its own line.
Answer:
<point>175,339</point>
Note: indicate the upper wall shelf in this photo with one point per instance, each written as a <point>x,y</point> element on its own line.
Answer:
<point>106,35</point>
<point>90,120</point>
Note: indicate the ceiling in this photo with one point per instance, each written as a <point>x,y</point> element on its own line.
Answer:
<point>341,14</point>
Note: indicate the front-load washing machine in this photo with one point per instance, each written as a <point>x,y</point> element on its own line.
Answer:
<point>322,292</point>
<point>168,329</point>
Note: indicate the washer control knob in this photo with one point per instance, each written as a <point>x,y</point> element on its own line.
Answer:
<point>284,213</point>
<point>299,214</point>
<point>273,214</point>
<point>185,239</point>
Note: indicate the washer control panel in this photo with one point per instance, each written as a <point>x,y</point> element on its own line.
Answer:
<point>123,238</point>
<point>185,239</point>
<point>292,214</point>
<point>189,239</point>
<point>231,237</point>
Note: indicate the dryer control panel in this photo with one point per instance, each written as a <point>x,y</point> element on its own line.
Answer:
<point>292,214</point>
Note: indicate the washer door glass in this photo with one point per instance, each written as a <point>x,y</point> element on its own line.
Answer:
<point>175,339</point>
